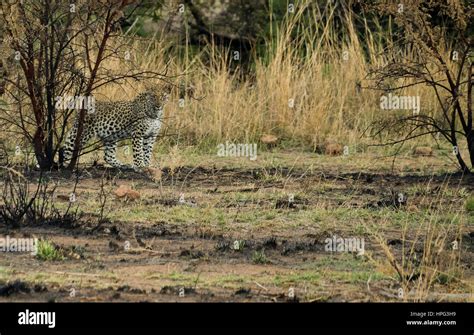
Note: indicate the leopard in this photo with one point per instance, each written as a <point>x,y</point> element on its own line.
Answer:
<point>138,120</point>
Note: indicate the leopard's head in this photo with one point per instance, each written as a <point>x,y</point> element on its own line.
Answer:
<point>153,101</point>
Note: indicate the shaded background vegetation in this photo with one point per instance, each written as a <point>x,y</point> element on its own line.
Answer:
<point>302,65</point>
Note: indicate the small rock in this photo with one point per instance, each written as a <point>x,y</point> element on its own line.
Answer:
<point>333,149</point>
<point>269,139</point>
<point>121,191</point>
<point>133,195</point>
<point>124,191</point>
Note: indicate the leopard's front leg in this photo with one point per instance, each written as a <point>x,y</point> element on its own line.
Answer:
<point>148,149</point>
<point>138,158</point>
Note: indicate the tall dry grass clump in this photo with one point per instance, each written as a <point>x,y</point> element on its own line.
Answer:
<point>425,260</point>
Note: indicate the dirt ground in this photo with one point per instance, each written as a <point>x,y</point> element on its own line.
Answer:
<point>222,232</point>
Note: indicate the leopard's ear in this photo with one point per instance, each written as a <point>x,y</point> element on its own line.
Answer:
<point>167,88</point>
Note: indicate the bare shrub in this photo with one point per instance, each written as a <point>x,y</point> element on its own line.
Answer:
<point>25,202</point>
<point>425,54</point>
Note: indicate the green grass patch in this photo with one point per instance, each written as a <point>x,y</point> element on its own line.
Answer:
<point>311,277</point>
<point>47,251</point>
<point>259,257</point>
<point>470,205</point>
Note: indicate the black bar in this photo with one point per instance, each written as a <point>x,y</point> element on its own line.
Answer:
<point>368,316</point>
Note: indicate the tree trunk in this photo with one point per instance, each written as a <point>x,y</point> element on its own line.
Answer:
<point>470,147</point>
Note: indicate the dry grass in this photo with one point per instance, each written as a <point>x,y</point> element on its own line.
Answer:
<point>429,253</point>
<point>303,99</point>
<point>307,88</point>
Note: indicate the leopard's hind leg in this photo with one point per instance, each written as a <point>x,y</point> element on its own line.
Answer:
<point>67,150</point>
<point>110,154</point>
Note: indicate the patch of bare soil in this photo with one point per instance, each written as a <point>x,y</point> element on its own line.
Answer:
<point>160,260</point>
